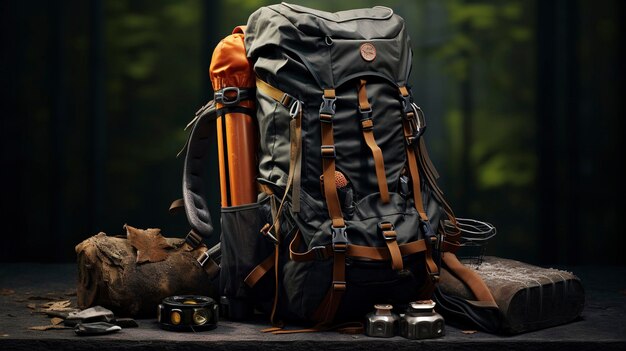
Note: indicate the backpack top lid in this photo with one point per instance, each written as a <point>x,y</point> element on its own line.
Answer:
<point>329,44</point>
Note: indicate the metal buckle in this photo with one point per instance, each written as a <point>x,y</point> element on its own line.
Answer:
<point>339,285</point>
<point>222,97</point>
<point>204,258</point>
<point>340,239</point>
<point>387,230</point>
<point>328,151</point>
<point>420,121</point>
<point>294,110</point>
<point>286,100</point>
<point>328,106</point>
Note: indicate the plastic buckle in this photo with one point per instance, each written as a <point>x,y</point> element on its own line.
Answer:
<point>406,104</point>
<point>222,96</point>
<point>367,123</point>
<point>328,106</point>
<point>340,239</point>
<point>429,235</point>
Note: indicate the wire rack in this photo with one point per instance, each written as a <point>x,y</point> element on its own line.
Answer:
<point>475,235</point>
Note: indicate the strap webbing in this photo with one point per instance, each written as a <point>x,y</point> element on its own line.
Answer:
<point>367,126</point>
<point>353,251</point>
<point>469,277</point>
<point>295,135</point>
<point>340,245</point>
<point>409,127</point>
<point>389,234</point>
<point>260,270</point>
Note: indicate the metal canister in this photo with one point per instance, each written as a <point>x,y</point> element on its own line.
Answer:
<point>382,323</point>
<point>421,321</point>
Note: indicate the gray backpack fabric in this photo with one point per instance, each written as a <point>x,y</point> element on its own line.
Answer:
<point>349,214</point>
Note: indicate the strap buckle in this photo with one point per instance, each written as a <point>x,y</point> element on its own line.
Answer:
<point>340,239</point>
<point>224,96</point>
<point>193,239</point>
<point>367,124</point>
<point>406,104</point>
<point>287,100</point>
<point>387,230</point>
<point>328,106</point>
<point>295,108</point>
<point>420,121</point>
<point>328,151</point>
<point>339,285</point>
<point>429,235</point>
<point>204,258</point>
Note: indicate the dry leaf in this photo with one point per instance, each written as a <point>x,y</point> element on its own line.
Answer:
<point>32,306</point>
<point>47,327</point>
<point>6,292</point>
<point>4,335</point>
<point>57,305</point>
<point>56,320</point>
<point>150,245</point>
<point>469,331</point>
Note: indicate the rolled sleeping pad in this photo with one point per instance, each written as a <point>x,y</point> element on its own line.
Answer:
<point>233,82</point>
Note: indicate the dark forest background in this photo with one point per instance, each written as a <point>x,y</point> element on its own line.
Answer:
<point>524,101</point>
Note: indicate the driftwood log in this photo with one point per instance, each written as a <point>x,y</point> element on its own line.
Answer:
<point>131,275</point>
<point>529,297</point>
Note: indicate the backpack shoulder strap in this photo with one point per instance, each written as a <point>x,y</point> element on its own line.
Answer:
<point>194,185</point>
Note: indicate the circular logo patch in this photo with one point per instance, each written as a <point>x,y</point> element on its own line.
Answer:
<point>368,52</point>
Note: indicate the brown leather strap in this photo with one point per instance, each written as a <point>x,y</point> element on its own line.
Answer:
<point>276,286</point>
<point>353,251</point>
<point>295,131</point>
<point>409,125</point>
<point>328,165</point>
<point>295,135</point>
<point>340,245</point>
<point>177,205</point>
<point>390,236</point>
<point>469,277</point>
<point>451,230</point>
<point>275,93</point>
<point>260,270</point>
<point>367,126</point>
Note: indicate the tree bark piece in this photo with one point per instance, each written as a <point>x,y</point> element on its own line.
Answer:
<point>109,275</point>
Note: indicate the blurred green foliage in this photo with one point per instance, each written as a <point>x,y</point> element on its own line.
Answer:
<point>154,72</point>
<point>153,77</point>
<point>476,74</point>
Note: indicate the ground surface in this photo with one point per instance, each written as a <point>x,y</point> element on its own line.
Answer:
<point>602,326</point>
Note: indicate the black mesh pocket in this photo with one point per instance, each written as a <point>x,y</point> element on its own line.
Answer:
<point>243,246</point>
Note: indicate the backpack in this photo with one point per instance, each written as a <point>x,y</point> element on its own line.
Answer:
<point>347,213</point>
